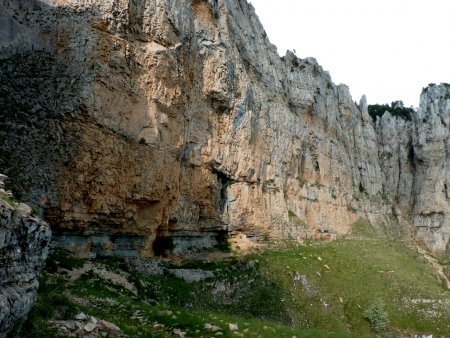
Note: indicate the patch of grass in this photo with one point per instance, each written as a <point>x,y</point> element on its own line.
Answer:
<point>60,258</point>
<point>114,263</point>
<point>362,228</point>
<point>11,201</point>
<point>50,304</point>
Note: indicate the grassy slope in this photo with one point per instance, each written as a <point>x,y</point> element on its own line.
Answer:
<point>360,272</point>
<point>311,290</point>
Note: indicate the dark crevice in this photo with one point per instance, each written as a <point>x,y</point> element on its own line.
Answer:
<point>316,165</point>
<point>225,181</point>
<point>411,154</point>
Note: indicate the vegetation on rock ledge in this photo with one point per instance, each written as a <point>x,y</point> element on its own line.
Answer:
<point>396,108</point>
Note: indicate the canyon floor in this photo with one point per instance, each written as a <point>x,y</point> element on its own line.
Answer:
<point>287,289</point>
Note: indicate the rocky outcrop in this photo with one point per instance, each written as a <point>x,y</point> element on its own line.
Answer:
<point>415,164</point>
<point>431,145</point>
<point>24,241</point>
<point>396,156</point>
<point>158,118</point>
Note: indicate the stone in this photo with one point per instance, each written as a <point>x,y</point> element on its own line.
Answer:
<point>167,313</point>
<point>212,327</point>
<point>24,209</point>
<point>151,267</point>
<point>233,327</point>
<point>89,327</point>
<point>179,333</point>
<point>70,325</point>
<point>108,326</point>
<point>81,316</point>
<point>192,275</point>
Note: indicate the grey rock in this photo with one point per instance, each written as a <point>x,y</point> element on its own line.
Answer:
<point>108,326</point>
<point>211,327</point>
<point>24,209</point>
<point>192,275</point>
<point>23,249</point>
<point>416,168</point>
<point>81,316</point>
<point>233,327</point>
<point>89,327</point>
<point>151,267</point>
<point>70,325</point>
<point>431,146</point>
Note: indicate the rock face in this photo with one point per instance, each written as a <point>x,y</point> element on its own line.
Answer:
<point>24,243</point>
<point>157,118</point>
<point>431,145</point>
<point>415,160</point>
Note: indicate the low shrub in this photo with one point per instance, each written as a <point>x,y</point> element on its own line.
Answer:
<point>377,315</point>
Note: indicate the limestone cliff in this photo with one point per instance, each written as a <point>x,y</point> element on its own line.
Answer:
<point>156,118</point>
<point>24,241</point>
<point>432,157</point>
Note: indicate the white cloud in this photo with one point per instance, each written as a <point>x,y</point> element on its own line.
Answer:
<point>386,49</point>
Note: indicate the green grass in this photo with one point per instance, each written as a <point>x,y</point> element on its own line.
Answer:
<point>61,259</point>
<point>359,271</point>
<point>51,304</point>
<point>11,201</point>
<point>313,290</point>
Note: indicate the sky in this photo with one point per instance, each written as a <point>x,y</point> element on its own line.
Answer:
<point>386,49</point>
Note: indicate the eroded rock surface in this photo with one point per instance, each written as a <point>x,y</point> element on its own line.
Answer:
<point>157,118</point>
<point>414,158</point>
<point>431,208</point>
<point>24,241</point>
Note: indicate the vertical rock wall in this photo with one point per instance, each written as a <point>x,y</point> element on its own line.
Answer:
<point>431,144</point>
<point>179,118</point>
<point>414,158</point>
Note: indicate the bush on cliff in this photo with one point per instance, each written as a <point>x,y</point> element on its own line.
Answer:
<point>396,108</point>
